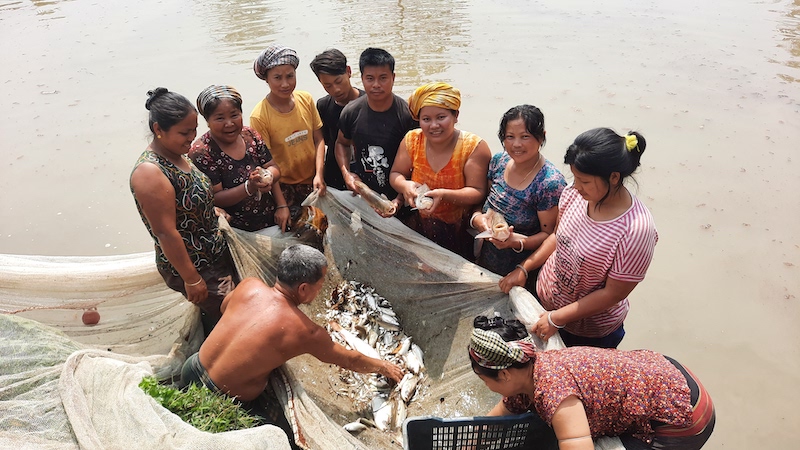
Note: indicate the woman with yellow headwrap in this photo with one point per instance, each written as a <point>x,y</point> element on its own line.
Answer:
<point>233,156</point>
<point>647,399</point>
<point>452,163</point>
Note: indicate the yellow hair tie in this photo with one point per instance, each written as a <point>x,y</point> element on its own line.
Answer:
<point>631,142</point>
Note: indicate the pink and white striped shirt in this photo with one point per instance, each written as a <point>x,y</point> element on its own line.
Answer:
<point>589,251</point>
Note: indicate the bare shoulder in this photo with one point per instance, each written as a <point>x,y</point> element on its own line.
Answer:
<point>146,172</point>
<point>249,289</point>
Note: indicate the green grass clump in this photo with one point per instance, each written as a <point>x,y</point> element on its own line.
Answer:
<point>200,407</point>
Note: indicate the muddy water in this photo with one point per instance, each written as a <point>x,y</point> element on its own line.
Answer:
<point>713,88</point>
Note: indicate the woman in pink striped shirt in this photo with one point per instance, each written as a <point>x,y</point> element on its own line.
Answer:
<point>602,246</point>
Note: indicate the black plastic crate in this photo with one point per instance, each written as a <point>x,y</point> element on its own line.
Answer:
<point>523,431</point>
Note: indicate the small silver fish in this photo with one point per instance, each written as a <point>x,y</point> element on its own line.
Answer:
<point>408,386</point>
<point>355,427</point>
<point>383,410</point>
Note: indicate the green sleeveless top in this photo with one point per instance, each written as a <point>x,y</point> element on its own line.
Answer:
<point>194,213</point>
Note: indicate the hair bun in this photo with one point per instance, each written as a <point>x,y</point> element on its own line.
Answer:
<point>154,94</point>
<point>481,322</point>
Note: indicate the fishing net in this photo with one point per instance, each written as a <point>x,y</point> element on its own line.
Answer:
<point>66,385</point>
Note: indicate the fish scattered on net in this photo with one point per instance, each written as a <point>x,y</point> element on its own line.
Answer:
<point>364,321</point>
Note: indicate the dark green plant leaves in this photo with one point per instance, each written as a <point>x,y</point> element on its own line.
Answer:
<point>200,407</point>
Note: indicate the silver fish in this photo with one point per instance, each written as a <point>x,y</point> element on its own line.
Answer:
<point>408,387</point>
<point>383,410</point>
<point>357,344</point>
<point>379,202</point>
<point>414,359</point>
<point>423,201</point>
<point>400,414</point>
<point>355,427</point>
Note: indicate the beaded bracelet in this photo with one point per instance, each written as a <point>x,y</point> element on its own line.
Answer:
<point>195,284</point>
<point>523,269</point>
<point>550,321</point>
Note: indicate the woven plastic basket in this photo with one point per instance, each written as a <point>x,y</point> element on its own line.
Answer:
<point>524,431</point>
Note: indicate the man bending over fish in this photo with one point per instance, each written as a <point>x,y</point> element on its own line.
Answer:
<point>262,327</point>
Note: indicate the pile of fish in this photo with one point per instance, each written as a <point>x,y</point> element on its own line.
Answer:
<point>364,321</point>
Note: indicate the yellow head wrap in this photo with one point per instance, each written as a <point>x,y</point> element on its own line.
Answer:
<point>434,94</point>
<point>631,142</point>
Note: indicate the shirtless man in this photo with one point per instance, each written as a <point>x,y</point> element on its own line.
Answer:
<point>262,327</point>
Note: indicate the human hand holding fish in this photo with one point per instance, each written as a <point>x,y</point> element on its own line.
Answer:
<point>363,320</point>
<point>497,227</point>
<point>436,196</point>
<point>349,180</point>
<point>260,179</point>
<point>381,204</point>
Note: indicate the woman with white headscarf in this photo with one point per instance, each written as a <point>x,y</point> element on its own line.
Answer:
<point>452,163</point>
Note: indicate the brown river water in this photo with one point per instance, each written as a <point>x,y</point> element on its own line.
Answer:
<point>713,86</point>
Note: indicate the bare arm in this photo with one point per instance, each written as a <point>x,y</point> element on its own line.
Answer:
<point>571,425</point>
<point>319,161</point>
<point>343,155</point>
<point>157,198</point>
<point>517,277</point>
<point>400,176</point>
<point>323,348</point>
<point>499,410</point>
<point>231,196</point>
<point>600,300</point>
<point>547,221</point>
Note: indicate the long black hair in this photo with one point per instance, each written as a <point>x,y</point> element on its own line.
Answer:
<point>601,152</point>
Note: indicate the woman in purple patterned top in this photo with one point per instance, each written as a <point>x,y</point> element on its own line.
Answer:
<point>231,155</point>
<point>649,400</point>
<point>524,187</point>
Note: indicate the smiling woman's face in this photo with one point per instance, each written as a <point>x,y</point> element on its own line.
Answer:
<point>225,122</point>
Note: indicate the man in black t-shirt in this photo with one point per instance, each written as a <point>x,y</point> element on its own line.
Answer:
<point>333,73</point>
<point>373,127</point>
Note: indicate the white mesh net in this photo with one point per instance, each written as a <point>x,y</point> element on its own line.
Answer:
<point>66,385</point>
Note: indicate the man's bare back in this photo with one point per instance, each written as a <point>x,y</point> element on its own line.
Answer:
<point>261,328</point>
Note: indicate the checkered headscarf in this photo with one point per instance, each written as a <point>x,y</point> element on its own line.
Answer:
<point>214,92</point>
<point>274,55</point>
<point>490,351</point>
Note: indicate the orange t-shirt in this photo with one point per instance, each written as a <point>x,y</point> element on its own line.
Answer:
<point>451,176</point>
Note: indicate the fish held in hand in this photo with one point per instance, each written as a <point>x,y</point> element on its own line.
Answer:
<point>265,176</point>
<point>375,200</point>
<point>498,227</point>
<point>423,201</point>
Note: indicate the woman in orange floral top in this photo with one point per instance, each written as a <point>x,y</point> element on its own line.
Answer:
<point>451,162</point>
<point>649,400</point>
